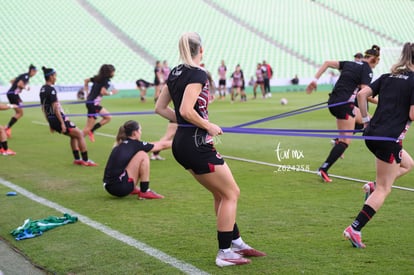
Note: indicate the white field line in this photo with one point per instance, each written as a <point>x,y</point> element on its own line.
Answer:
<point>163,257</point>
<point>308,171</point>
<point>187,268</point>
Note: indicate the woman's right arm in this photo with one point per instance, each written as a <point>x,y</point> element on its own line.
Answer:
<point>411,112</point>
<point>191,93</point>
<point>85,85</point>
<point>314,83</point>
<point>162,105</point>
<point>56,110</point>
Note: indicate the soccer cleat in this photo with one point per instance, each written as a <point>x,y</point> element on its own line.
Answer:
<point>89,163</point>
<point>324,175</point>
<point>354,237</point>
<point>149,195</point>
<point>8,152</point>
<point>91,136</point>
<point>228,258</point>
<point>8,132</point>
<point>156,157</point>
<point>369,188</point>
<point>136,191</point>
<point>78,162</point>
<point>247,251</point>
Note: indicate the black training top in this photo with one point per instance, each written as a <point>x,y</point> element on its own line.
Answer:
<point>396,95</point>
<point>14,89</point>
<point>121,156</point>
<point>353,74</point>
<point>48,96</point>
<point>96,88</point>
<point>178,80</point>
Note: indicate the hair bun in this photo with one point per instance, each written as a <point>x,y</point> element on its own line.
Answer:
<point>375,47</point>
<point>374,51</point>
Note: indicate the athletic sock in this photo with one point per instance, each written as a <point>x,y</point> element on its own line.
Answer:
<point>4,145</point>
<point>336,153</point>
<point>359,126</point>
<point>224,239</point>
<point>76,154</point>
<point>95,127</point>
<point>12,121</point>
<point>363,217</point>
<point>85,156</point>
<point>236,232</point>
<point>144,186</point>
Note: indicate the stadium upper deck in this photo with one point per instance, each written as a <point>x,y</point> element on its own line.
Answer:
<point>294,36</point>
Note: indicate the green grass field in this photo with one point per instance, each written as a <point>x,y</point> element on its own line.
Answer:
<point>292,216</point>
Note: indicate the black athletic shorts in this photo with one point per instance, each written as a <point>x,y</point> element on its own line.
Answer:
<point>142,83</point>
<point>54,123</point>
<point>343,111</point>
<point>193,148</point>
<point>222,82</point>
<point>93,110</point>
<point>121,187</point>
<point>14,99</point>
<point>387,151</point>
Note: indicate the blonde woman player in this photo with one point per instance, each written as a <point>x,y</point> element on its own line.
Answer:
<point>193,147</point>
<point>392,118</point>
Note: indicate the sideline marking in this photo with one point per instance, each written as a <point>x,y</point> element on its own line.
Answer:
<point>163,257</point>
<point>311,172</point>
<point>96,133</point>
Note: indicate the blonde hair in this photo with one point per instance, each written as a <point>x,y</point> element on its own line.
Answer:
<point>189,46</point>
<point>406,62</point>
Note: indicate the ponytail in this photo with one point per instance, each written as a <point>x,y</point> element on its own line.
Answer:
<point>48,72</point>
<point>121,136</point>
<point>189,46</point>
<point>406,62</point>
<point>126,130</point>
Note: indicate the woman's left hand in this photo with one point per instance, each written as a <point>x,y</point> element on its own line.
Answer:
<point>214,130</point>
